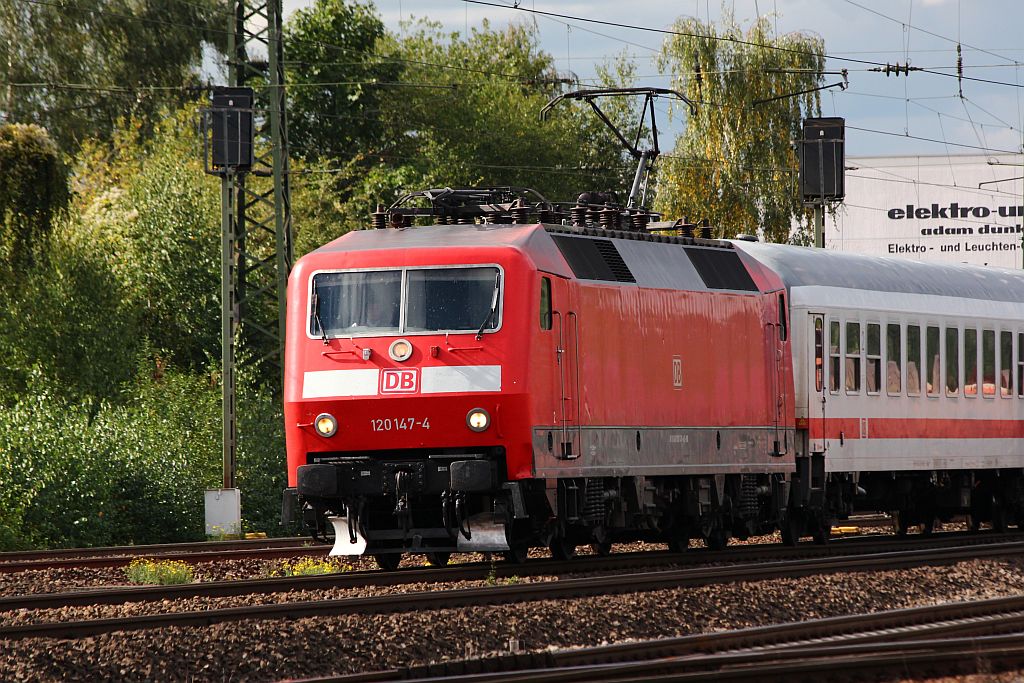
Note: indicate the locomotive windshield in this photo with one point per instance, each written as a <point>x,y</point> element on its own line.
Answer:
<point>404,301</point>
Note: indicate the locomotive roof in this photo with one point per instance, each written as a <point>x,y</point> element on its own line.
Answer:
<point>637,258</point>
<point>805,266</point>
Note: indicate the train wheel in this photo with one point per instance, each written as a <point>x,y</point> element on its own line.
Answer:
<point>900,523</point>
<point>998,517</point>
<point>517,553</point>
<point>716,539</point>
<point>791,527</point>
<point>602,548</point>
<point>388,561</point>
<point>678,544</point>
<point>820,530</point>
<point>561,548</point>
<point>438,559</point>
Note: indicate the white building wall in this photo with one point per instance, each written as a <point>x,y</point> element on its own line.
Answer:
<point>953,209</point>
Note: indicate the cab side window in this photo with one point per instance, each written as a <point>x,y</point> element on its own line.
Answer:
<point>545,303</point>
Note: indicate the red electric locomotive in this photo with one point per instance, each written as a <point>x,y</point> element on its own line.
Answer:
<point>495,386</point>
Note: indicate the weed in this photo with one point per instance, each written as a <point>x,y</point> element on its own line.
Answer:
<point>492,573</point>
<point>310,566</point>
<point>159,572</point>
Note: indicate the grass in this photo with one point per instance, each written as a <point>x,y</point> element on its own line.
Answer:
<point>158,572</point>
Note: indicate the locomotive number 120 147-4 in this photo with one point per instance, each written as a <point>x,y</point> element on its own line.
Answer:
<point>388,424</point>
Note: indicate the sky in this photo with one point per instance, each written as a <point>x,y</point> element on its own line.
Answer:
<point>919,114</point>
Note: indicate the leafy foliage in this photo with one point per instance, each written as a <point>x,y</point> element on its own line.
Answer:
<point>474,117</point>
<point>154,218</point>
<point>33,190</point>
<point>99,474</point>
<point>464,112</point>
<point>734,164</point>
<point>67,319</point>
<point>104,58</point>
<point>336,80</point>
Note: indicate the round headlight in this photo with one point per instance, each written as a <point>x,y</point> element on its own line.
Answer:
<point>400,350</point>
<point>325,424</point>
<point>478,420</point>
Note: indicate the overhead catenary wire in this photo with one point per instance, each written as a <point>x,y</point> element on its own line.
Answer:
<point>670,32</point>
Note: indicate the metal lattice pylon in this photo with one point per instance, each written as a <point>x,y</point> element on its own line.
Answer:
<point>257,235</point>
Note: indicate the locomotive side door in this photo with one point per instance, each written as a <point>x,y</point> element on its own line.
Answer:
<point>777,333</point>
<point>566,322</point>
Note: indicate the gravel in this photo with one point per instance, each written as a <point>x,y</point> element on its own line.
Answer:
<point>275,649</point>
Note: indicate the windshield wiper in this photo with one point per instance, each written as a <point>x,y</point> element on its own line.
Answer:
<point>316,314</point>
<point>494,307</point>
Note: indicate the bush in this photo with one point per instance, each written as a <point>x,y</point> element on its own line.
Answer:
<point>87,472</point>
<point>94,473</point>
<point>67,318</point>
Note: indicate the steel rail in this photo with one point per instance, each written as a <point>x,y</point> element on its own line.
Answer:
<point>270,551</point>
<point>213,551</point>
<point>197,546</point>
<point>825,662</point>
<point>481,570</point>
<point>711,652</point>
<point>503,594</point>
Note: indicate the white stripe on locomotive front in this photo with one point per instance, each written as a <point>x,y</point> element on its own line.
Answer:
<point>435,380</point>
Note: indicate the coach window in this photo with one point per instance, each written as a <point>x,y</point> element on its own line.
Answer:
<point>931,357</point>
<point>893,355</point>
<point>988,363</point>
<point>970,362</point>
<point>545,303</point>
<point>953,361</point>
<point>913,360</point>
<point>1006,363</point>
<point>835,362</point>
<point>874,364</point>
<point>1020,364</point>
<point>853,357</point>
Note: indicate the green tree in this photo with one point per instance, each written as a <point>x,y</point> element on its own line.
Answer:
<point>335,78</point>
<point>33,190</point>
<point>473,116</point>
<point>78,67</point>
<point>734,164</point>
<point>154,217</point>
<point>465,112</point>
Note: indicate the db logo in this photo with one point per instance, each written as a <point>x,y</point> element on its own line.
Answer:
<point>399,381</point>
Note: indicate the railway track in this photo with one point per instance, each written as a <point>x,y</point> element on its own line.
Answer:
<point>492,595</point>
<point>919,639</point>
<point>203,551</point>
<point>483,570</point>
<point>122,556</point>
